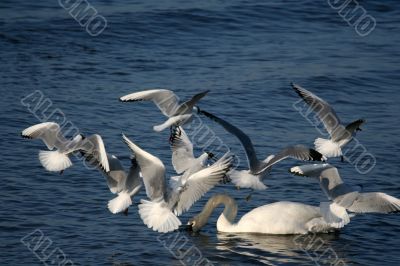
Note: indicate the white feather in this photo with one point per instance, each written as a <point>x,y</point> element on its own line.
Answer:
<point>120,203</point>
<point>54,161</point>
<point>327,147</point>
<point>244,179</point>
<point>175,120</point>
<point>334,214</point>
<point>158,216</point>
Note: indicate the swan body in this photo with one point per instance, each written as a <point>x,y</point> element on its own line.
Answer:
<point>279,218</point>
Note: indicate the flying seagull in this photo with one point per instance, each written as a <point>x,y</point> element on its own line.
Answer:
<point>345,195</point>
<point>165,204</point>
<point>183,158</point>
<point>58,160</point>
<point>258,170</point>
<point>126,185</point>
<point>340,134</point>
<point>168,102</point>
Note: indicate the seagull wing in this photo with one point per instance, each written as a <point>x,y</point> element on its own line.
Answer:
<point>153,171</point>
<point>94,146</point>
<point>116,177</point>
<point>133,182</point>
<point>182,150</point>
<point>324,111</point>
<point>375,202</point>
<point>330,181</point>
<point>201,182</point>
<point>187,106</point>
<point>48,132</point>
<point>353,126</point>
<point>298,152</point>
<point>165,100</point>
<point>243,138</point>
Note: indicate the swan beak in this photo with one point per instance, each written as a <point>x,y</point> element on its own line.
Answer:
<point>188,227</point>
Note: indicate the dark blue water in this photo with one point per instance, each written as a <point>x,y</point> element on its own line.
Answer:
<point>246,53</point>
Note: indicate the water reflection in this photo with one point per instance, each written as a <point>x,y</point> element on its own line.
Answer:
<point>321,249</point>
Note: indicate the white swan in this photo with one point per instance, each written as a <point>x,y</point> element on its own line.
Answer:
<point>160,213</point>
<point>58,160</point>
<point>258,170</point>
<point>344,195</point>
<point>119,182</point>
<point>168,103</point>
<point>340,134</point>
<point>279,218</point>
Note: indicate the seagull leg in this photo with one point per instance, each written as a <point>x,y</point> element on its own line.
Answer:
<point>342,159</point>
<point>61,172</point>
<point>248,198</point>
<point>126,212</point>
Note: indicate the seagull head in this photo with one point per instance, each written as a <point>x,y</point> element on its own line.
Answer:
<point>211,156</point>
<point>196,109</point>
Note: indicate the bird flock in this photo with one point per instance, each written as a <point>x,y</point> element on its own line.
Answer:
<point>169,198</point>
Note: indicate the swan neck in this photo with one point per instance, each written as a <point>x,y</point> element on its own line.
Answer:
<point>230,210</point>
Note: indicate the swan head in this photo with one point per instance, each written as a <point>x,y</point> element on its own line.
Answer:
<point>196,223</point>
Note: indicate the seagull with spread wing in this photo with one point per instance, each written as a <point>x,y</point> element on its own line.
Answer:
<point>340,134</point>
<point>258,170</point>
<point>165,204</point>
<point>126,185</point>
<point>58,160</point>
<point>344,195</point>
<point>167,101</point>
<point>183,160</point>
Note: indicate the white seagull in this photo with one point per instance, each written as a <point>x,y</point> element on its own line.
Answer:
<point>340,134</point>
<point>344,195</point>
<point>279,218</point>
<point>119,182</point>
<point>168,103</point>
<point>183,158</point>
<point>258,170</point>
<point>160,213</point>
<point>58,160</point>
